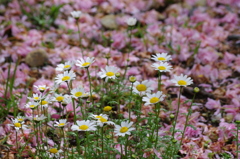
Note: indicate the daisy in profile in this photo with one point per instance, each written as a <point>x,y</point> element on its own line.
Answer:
<point>162,66</point>
<point>36,97</point>
<point>41,88</point>
<point>123,129</point>
<point>98,116</point>
<point>65,77</point>
<point>77,92</point>
<point>153,98</point>
<point>85,125</point>
<point>67,99</point>
<point>32,104</point>
<point>44,103</point>
<point>20,119</point>
<point>142,87</point>
<point>85,63</point>
<point>18,125</point>
<point>65,67</point>
<point>101,121</point>
<point>61,123</point>
<point>76,14</point>
<point>161,57</point>
<point>108,73</point>
<point>38,118</point>
<point>182,80</point>
<point>54,152</point>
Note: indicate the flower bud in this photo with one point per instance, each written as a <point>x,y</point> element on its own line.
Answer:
<point>196,89</point>
<point>172,116</point>
<point>132,79</point>
<point>117,74</point>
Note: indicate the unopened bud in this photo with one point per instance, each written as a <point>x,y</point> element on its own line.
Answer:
<point>132,79</point>
<point>172,116</point>
<point>237,121</point>
<point>117,74</point>
<point>196,89</point>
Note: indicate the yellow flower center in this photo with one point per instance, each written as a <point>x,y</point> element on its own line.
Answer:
<point>103,120</point>
<point>17,125</point>
<point>65,78</point>
<point>67,66</point>
<point>162,68</point>
<point>182,82</point>
<point>32,106</point>
<point>98,116</point>
<point>20,119</point>
<point>83,127</point>
<point>36,98</point>
<point>161,59</point>
<point>141,87</point>
<point>107,108</point>
<point>78,94</point>
<point>124,129</point>
<point>44,102</point>
<point>86,64</point>
<point>60,98</point>
<point>42,88</point>
<point>34,118</point>
<point>53,150</point>
<point>110,74</point>
<point>154,100</point>
<point>61,124</point>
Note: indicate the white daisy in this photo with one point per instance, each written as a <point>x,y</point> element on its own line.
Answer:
<point>161,57</point>
<point>77,92</point>
<point>65,67</point>
<point>67,99</point>
<point>65,77</point>
<point>153,98</point>
<point>61,123</point>
<point>38,118</point>
<point>108,72</point>
<point>76,14</point>
<point>32,104</point>
<point>182,80</point>
<point>123,129</point>
<point>20,119</point>
<point>57,97</point>
<point>36,97</point>
<point>101,121</point>
<point>131,21</point>
<point>162,66</point>
<point>44,102</point>
<point>18,125</point>
<point>85,63</point>
<point>54,152</point>
<point>98,116</point>
<point>85,125</point>
<point>142,87</point>
<point>41,88</point>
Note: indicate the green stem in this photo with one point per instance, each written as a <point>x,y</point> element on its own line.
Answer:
<point>129,109</point>
<point>16,144</point>
<point>159,81</point>
<point>102,141</point>
<point>157,121</point>
<point>187,118</point>
<point>237,139</point>
<point>175,120</point>
<point>90,85</point>
<point>126,146</point>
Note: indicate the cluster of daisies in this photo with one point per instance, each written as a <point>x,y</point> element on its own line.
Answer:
<point>40,102</point>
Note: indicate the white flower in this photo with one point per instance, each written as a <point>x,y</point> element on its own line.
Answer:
<point>123,129</point>
<point>44,102</point>
<point>109,72</point>
<point>162,66</point>
<point>54,152</point>
<point>161,57</point>
<point>101,121</point>
<point>41,88</point>
<point>85,63</point>
<point>61,123</point>
<point>36,97</point>
<point>65,77</point>
<point>32,104</point>
<point>76,14</point>
<point>153,98</point>
<point>65,67</point>
<point>77,92</point>
<point>54,87</point>
<point>85,125</point>
<point>57,97</point>
<point>38,118</point>
<point>67,99</point>
<point>98,116</point>
<point>20,119</point>
<point>131,21</point>
<point>182,80</point>
<point>142,87</point>
<point>18,125</point>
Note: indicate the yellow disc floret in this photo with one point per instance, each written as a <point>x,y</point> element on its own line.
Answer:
<point>141,87</point>
<point>86,64</point>
<point>53,150</point>
<point>110,74</point>
<point>17,125</point>
<point>162,68</point>
<point>83,127</point>
<point>60,98</point>
<point>161,59</point>
<point>78,94</point>
<point>124,129</point>
<point>154,100</point>
<point>182,82</point>
<point>65,78</point>
<point>67,66</point>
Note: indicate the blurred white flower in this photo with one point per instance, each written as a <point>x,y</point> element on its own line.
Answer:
<point>131,21</point>
<point>76,14</point>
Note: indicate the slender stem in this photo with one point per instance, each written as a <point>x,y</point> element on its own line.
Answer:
<point>80,40</point>
<point>121,151</point>
<point>89,79</point>
<point>129,108</point>
<point>102,141</point>
<point>125,71</point>
<point>159,81</point>
<point>175,120</point>
<point>157,121</point>
<point>64,141</point>
<point>126,155</point>
<point>187,118</point>
<point>237,139</point>
<point>16,143</point>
